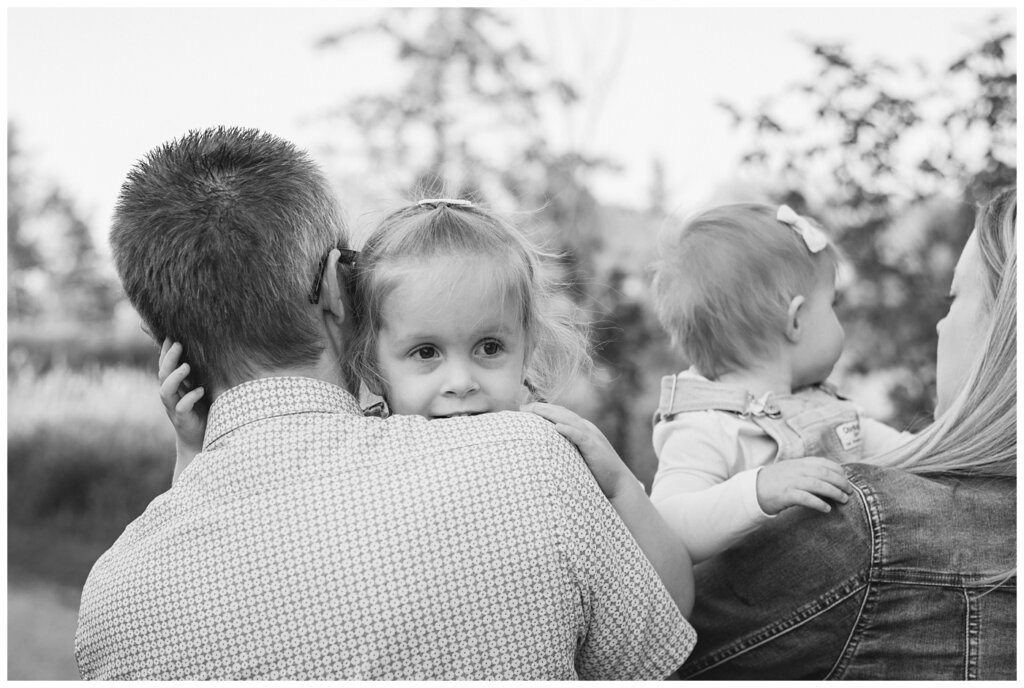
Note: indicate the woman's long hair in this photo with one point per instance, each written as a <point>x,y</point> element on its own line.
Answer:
<point>977,434</point>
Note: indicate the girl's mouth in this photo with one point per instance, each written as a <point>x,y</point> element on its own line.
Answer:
<point>458,415</point>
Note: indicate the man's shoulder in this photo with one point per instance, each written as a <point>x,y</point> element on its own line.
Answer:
<point>485,432</point>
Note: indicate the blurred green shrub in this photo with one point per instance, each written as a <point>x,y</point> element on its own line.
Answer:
<point>76,346</point>
<point>87,450</point>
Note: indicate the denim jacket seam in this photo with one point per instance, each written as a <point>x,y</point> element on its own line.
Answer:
<point>933,578</point>
<point>967,635</point>
<point>824,603</point>
<point>871,513</point>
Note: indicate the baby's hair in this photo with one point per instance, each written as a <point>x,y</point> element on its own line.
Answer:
<point>723,285</point>
<point>557,337</point>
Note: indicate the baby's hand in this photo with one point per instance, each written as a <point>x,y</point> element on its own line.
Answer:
<point>179,402</point>
<point>601,458</point>
<point>801,482</point>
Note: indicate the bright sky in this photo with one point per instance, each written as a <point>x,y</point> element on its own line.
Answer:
<point>91,90</point>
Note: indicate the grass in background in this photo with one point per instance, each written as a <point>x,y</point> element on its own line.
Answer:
<point>87,450</point>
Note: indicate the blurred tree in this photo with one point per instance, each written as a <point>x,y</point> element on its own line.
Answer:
<point>53,269</point>
<point>877,155</point>
<point>464,119</point>
<point>85,292</point>
<point>658,193</point>
<point>22,254</point>
<point>469,95</point>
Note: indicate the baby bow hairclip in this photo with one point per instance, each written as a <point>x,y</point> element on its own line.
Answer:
<point>444,201</point>
<point>814,238</point>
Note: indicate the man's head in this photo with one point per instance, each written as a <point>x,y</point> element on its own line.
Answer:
<point>218,238</point>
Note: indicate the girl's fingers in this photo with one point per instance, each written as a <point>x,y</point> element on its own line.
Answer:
<point>554,413</point>
<point>172,384</point>
<point>544,410</point>
<point>827,470</point>
<point>164,347</point>
<point>188,401</point>
<point>169,361</point>
<point>830,474</point>
<point>802,498</point>
<point>825,489</point>
<point>571,433</point>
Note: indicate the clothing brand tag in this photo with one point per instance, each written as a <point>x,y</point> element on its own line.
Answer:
<point>849,434</point>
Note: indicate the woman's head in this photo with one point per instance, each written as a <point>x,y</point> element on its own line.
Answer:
<point>455,314</point>
<point>982,296</point>
<point>725,285</point>
<point>976,409</point>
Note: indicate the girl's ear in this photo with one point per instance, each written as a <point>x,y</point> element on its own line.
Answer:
<point>794,314</point>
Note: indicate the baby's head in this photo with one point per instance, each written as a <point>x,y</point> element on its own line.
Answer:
<point>733,285</point>
<point>456,315</point>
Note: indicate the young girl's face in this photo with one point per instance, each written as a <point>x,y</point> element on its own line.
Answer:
<point>450,344</point>
<point>822,340</point>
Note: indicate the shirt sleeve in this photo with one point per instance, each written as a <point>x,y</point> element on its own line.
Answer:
<point>706,484</point>
<point>632,628</point>
<point>878,438</point>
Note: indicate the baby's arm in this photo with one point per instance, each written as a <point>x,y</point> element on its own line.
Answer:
<point>712,490</point>
<point>179,402</point>
<point>659,544</point>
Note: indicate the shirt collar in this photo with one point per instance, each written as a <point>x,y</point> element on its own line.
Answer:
<point>274,396</point>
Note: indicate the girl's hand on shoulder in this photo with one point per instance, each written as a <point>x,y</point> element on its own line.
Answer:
<point>802,482</point>
<point>179,400</point>
<point>601,458</point>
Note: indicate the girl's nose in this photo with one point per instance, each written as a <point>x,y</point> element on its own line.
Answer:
<point>460,380</point>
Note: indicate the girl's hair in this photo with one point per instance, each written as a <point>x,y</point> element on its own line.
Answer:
<point>977,434</point>
<point>723,286</point>
<point>556,334</point>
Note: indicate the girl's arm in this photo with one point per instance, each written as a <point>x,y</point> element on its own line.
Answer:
<point>180,403</point>
<point>659,544</point>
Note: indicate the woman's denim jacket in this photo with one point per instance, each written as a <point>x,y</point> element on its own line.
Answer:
<point>894,584</point>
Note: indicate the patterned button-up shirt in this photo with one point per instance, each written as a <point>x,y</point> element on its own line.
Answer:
<point>309,542</point>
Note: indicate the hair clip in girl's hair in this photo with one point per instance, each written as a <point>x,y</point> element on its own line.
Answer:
<point>814,238</point>
<point>444,201</point>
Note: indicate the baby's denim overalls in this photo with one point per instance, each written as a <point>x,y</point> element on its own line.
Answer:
<point>814,421</point>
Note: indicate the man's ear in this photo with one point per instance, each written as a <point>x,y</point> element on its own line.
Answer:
<point>334,297</point>
<point>794,316</point>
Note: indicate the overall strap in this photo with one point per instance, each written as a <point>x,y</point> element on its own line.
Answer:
<point>689,394</point>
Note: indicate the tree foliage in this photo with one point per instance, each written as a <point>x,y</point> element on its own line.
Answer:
<point>53,268</point>
<point>467,103</point>
<point>892,159</point>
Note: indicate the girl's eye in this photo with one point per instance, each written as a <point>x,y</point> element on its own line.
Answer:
<point>424,353</point>
<point>491,347</point>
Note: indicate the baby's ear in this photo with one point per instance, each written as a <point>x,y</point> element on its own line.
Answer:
<point>794,316</point>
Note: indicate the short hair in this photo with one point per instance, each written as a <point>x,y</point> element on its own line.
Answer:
<point>977,433</point>
<point>557,338</point>
<point>217,237</point>
<point>723,285</point>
